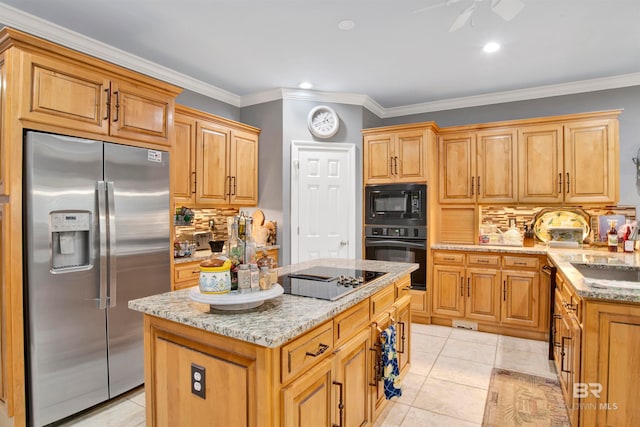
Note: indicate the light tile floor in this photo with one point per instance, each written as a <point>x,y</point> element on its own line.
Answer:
<point>446,385</point>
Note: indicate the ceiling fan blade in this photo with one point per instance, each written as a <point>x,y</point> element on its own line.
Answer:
<point>507,9</point>
<point>435,6</point>
<point>462,18</point>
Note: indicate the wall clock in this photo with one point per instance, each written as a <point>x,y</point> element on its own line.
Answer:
<point>323,122</point>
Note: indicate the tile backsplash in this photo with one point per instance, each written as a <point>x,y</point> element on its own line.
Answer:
<point>501,215</point>
<point>202,219</point>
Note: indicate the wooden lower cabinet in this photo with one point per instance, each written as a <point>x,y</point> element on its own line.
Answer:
<point>308,400</point>
<point>186,275</point>
<point>521,298</point>
<point>502,293</point>
<point>328,376</point>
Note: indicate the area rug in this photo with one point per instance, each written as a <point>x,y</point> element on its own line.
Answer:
<point>517,399</point>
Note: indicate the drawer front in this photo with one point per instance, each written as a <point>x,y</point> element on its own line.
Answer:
<point>305,351</point>
<point>187,272</point>
<point>448,258</point>
<point>521,262</point>
<point>382,300</point>
<point>351,321</point>
<point>402,287</point>
<point>483,260</point>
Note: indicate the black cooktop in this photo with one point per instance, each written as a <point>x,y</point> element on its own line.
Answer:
<point>328,283</point>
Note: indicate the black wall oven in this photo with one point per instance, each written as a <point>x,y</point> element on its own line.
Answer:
<point>396,226</point>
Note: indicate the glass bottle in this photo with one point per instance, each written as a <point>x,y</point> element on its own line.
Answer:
<point>612,236</point>
<point>249,243</point>
<point>241,225</point>
<point>265,278</point>
<point>627,243</point>
<point>630,245</point>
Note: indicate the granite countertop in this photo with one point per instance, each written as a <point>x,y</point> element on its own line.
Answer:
<point>206,253</point>
<point>277,320</point>
<point>563,258</point>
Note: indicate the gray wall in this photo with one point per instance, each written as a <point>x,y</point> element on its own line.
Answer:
<point>295,128</point>
<point>623,98</point>
<point>209,105</point>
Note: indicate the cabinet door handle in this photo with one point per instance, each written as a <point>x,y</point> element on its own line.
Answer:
<point>391,165</point>
<point>377,365</point>
<point>478,186</point>
<point>117,94</point>
<point>562,354</point>
<point>195,182</point>
<point>396,162</point>
<point>234,186</point>
<point>560,183</point>
<point>321,349</point>
<point>483,261</point>
<point>402,337</point>
<point>228,178</point>
<point>519,263</point>
<point>462,286</point>
<point>504,290</point>
<point>108,112</point>
<point>568,183</point>
<point>473,185</point>
<point>340,403</point>
<point>468,286</point>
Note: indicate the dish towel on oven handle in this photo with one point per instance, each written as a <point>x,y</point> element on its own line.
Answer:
<point>390,367</point>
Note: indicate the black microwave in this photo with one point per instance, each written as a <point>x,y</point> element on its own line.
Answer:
<point>396,204</point>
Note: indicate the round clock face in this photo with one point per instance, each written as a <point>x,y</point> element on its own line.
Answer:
<point>323,122</point>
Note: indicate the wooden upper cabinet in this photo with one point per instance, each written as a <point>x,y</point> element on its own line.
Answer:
<point>378,158</point>
<point>78,96</point>
<point>3,99</point>
<point>212,153</point>
<point>591,162</point>
<point>215,162</point>
<point>457,167</point>
<point>243,168</point>
<point>540,164</point>
<point>392,157</point>
<point>139,113</point>
<point>497,166</point>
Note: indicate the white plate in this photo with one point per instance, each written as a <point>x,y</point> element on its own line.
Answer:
<point>235,300</point>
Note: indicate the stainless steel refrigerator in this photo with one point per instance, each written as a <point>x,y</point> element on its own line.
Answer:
<point>96,236</point>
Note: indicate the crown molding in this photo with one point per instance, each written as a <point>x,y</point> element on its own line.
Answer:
<point>55,33</point>
<point>66,37</point>
<point>536,92</point>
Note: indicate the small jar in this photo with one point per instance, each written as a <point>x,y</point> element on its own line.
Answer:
<point>244,278</point>
<point>265,278</point>
<point>255,277</point>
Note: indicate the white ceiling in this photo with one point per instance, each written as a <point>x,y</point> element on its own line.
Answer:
<point>239,49</point>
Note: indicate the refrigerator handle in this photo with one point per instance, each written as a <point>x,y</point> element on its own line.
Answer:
<point>112,245</point>
<point>102,227</point>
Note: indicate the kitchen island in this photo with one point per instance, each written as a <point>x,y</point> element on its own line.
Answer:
<point>291,361</point>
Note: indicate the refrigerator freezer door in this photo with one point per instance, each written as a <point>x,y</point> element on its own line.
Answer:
<point>66,329</point>
<point>139,180</point>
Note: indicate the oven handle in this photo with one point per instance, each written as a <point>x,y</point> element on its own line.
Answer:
<point>395,243</point>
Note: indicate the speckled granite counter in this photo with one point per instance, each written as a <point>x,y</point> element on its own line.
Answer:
<point>277,320</point>
<point>205,254</point>
<point>601,289</point>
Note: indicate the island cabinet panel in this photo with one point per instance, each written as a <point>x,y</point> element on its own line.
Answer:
<point>79,96</point>
<point>403,331</point>
<point>351,381</point>
<point>350,321</point>
<point>307,402</point>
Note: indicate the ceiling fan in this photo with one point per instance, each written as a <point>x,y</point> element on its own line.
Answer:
<point>506,9</point>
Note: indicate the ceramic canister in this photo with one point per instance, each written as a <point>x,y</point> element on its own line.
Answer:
<point>215,277</point>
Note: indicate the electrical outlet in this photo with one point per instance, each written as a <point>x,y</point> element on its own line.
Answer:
<point>198,380</point>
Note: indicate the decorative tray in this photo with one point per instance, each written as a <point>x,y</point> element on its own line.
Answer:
<point>549,218</point>
<point>235,300</point>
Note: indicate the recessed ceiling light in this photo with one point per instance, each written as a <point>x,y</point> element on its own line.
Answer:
<point>305,85</point>
<point>346,24</point>
<point>491,47</point>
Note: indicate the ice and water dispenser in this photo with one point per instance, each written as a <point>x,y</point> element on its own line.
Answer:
<point>70,248</point>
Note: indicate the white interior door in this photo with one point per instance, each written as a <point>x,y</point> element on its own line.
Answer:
<point>323,201</point>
